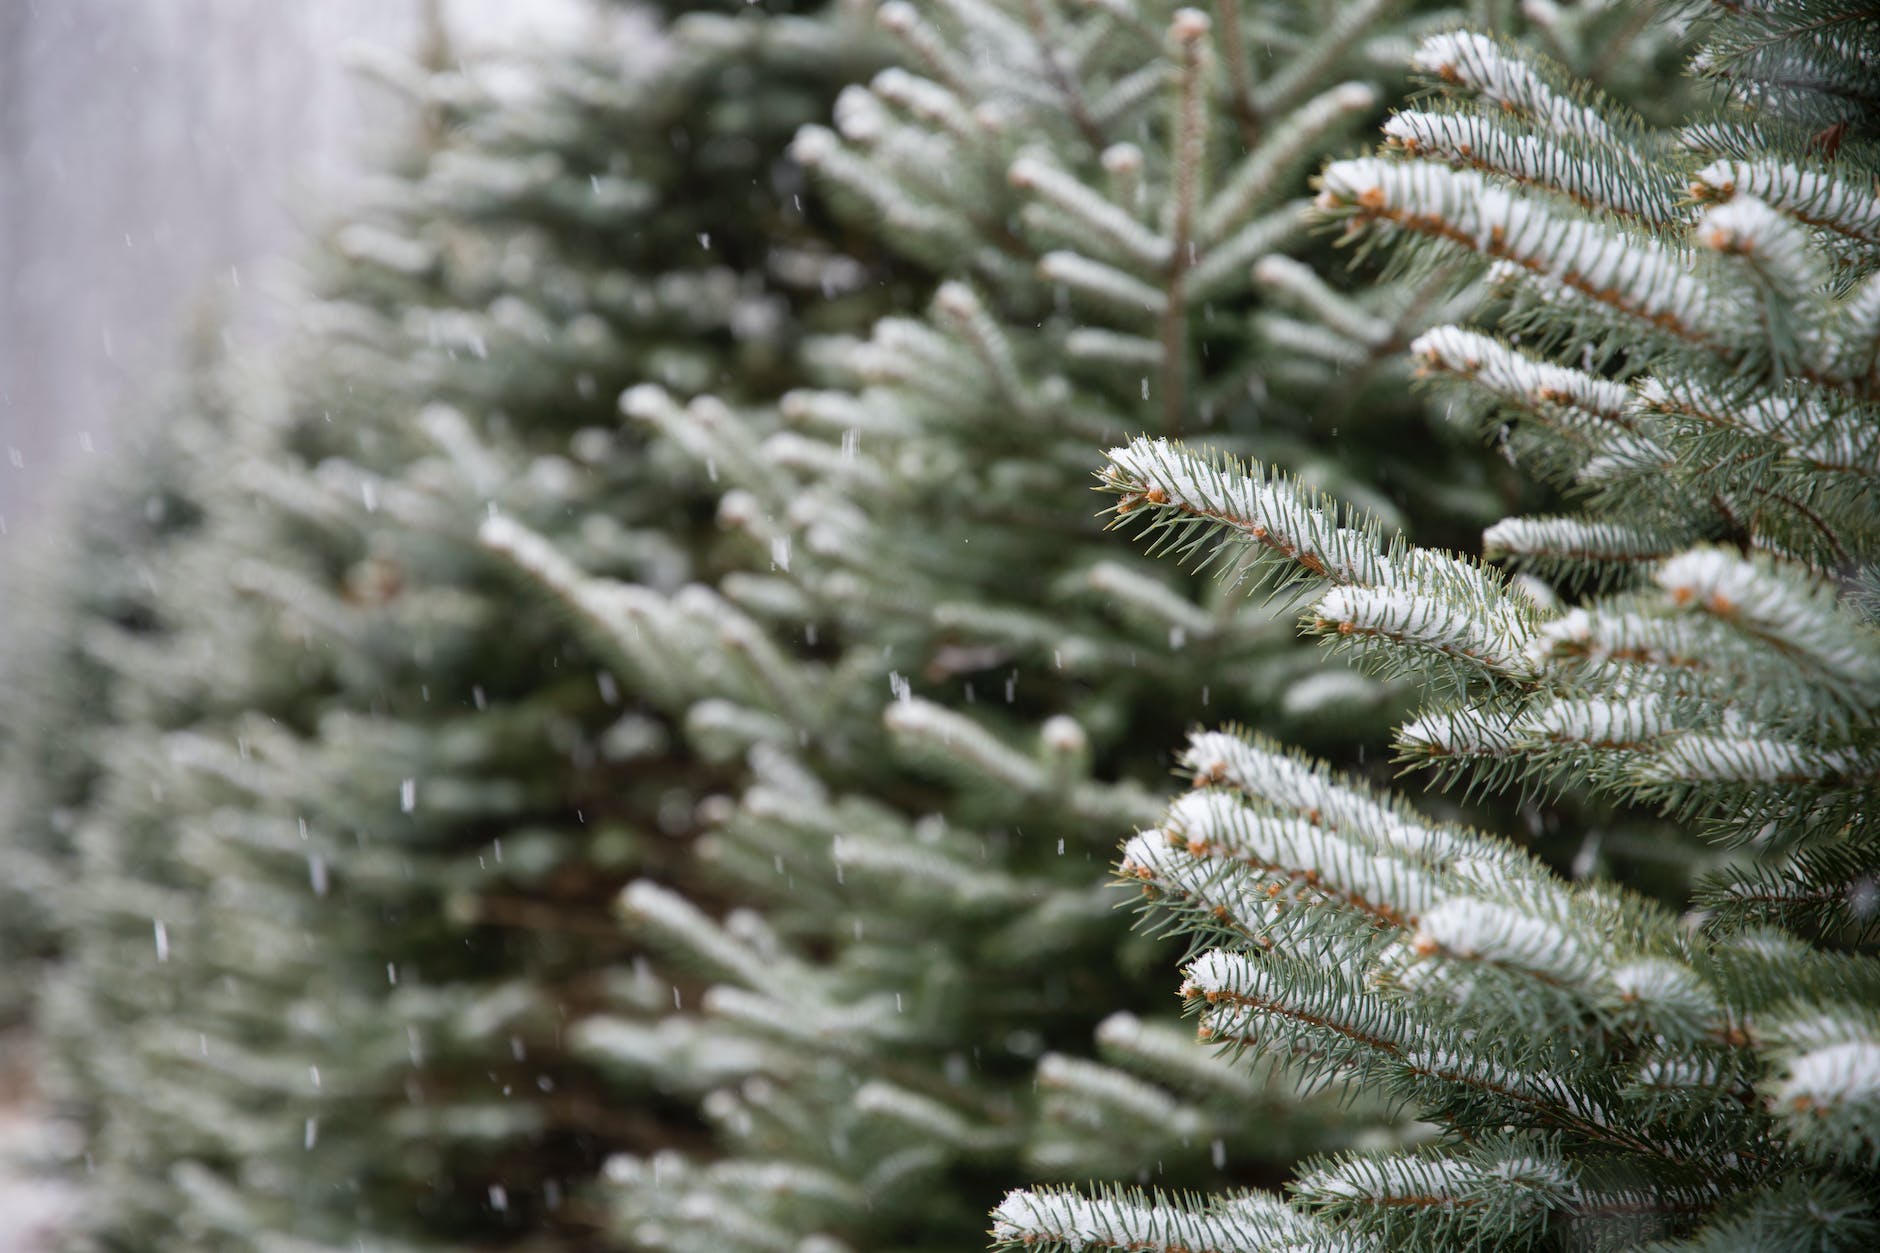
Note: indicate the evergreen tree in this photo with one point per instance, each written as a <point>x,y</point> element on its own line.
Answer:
<point>448,659</point>
<point>1115,194</point>
<point>344,845</point>
<point>84,573</point>
<point>1688,346</point>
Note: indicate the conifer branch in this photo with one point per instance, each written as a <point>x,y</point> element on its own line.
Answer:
<point>1062,1222</point>
<point>1633,275</point>
<point>1590,179</point>
<point>1810,196</point>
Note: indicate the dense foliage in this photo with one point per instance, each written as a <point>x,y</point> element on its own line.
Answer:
<point>612,734</point>
<point>1688,347</point>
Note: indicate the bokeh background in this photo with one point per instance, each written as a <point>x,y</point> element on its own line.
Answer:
<point>157,155</point>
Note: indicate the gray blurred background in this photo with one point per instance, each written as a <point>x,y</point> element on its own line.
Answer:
<point>155,153</point>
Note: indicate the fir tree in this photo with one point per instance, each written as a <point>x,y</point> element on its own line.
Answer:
<point>1687,347</point>
<point>340,962</point>
<point>490,652</point>
<point>85,576</point>
<point>344,845</point>
<point>1115,195</point>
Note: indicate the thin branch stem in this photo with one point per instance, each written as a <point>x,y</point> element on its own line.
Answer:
<point>1239,78</point>
<point>1189,31</point>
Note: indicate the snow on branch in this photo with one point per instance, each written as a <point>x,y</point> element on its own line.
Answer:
<point>918,1116</point>
<point>701,942</point>
<point>1478,64</point>
<point>1458,734</point>
<point>1591,178</point>
<point>1552,737</point>
<point>1092,1086</point>
<point>1103,285</point>
<point>1101,224</point>
<point>620,618</point>
<point>1827,1092</point>
<point>1412,618</point>
<point>1447,1199</point>
<point>1266,171</point>
<point>961,308</point>
<point>1062,1222</point>
<point>1855,343</point>
<point>1456,612</point>
<point>1291,784</point>
<point>1515,377</point>
<point>1315,861</point>
<point>920,222</point>
<point>1337,312</point>
<point>1474,930</point>
<point>1776,417</point>
<point>1810,196</point>
<point>1629,724</point>
<point>1749,755</point>
<point>1564,543</point>
<point>1783,609</point>
<point>1605,634</point>
<point>712,433</point>
<point>919,869</point>
<point>1669,999</point>
<point>1578,426</point>
<point>1777,251</point>
<point>1167,1051</point>
<point>1270,514</point>
<point>927,100</point>
<point>1628,272</point>
<point>1236,900</point>
<point>937,733</point>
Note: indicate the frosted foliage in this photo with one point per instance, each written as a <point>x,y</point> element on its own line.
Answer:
<point>1809,195</point>
<point>1758,599</point>
<point>1686,351</point>
<point>1293,785</point>
<point>1403,618</point>
<point>1422,1180</point>
<point>1834,1076</point>
<point>1151,858</point>
<point>1479,64</point>
<point>1116,1223</point>
<point>1530,159</point>
<point>1777,249</point>
<point>1827,1088</point>
<point>1749,755</point>
<point>1456,734</point>
<point>1571,540</point>
<point>1634,274</point>
<point>1271,514</point>
<point>1483,931</point>
<point>1213,824</point>
<point>1601,723</point>
<point>1491,364</point>
<point>760,752</point>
